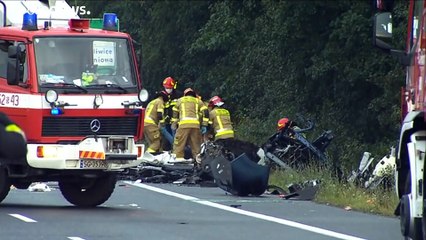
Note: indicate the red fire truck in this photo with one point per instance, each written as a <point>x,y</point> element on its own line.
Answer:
<point>410,161</point>
<point>76,93</point>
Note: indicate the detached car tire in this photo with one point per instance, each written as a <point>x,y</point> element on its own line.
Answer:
<point>97,192</point>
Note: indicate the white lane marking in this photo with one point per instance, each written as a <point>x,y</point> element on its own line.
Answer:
<point>76,238</point>
<point>250,214</point>
<point>22,218</point>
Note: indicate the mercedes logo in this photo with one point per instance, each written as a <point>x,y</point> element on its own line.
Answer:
<point>95,125</point>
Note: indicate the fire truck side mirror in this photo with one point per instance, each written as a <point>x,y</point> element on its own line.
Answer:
<point>382,33</point>
<point>15,64</point>
<point>382,38</point>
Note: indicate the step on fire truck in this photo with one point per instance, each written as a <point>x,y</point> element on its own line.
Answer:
<point>410,159</point>
<point>76,93</point>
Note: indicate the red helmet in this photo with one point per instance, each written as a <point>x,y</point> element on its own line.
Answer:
<point>169,82</point>
<point>215,101</point>
<point>282,123</point>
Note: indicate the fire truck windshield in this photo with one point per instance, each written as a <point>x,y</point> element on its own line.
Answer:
<point>84,62</point>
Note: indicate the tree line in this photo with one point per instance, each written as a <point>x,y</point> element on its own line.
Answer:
<point>269,59</point>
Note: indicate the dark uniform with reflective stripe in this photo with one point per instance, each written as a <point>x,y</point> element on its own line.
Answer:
<point>13,144</point>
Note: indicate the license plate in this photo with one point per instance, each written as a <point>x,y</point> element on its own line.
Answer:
<point>93,164</point>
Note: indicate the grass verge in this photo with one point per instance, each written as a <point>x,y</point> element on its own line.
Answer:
<point>338,193</point>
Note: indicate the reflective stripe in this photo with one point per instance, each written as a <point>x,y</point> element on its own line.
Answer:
<point>220,123</point>
<point>183,117</point>
<point>92,155</point>
<point>224,130</point>
<point>150,150</point>
<point>181,122</point>
<point>222,114</point>
<point>221,133</point>
<point>189,120</point>
<point>149,120</point>
<point>150,108</point>
<point>13,128</point>
<point>183,111</point>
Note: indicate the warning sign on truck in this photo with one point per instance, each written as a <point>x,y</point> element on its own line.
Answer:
<point>104,53</point>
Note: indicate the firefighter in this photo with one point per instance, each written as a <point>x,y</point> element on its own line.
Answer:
<point>154,121</point>
<point>14,144</point>
<point>284,124</point>
<point>220,120</point>
<point>170,86</point>
<point>187,123</point>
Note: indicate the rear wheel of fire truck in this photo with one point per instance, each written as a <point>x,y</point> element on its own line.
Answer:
<point>89,193</point>
<point>4,184</point>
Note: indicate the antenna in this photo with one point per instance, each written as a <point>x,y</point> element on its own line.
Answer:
<point>52,8</point>
<point>23,4</point>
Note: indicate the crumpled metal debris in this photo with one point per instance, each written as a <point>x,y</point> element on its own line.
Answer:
<point>369,177</point>
<point>161,168</point>
<point>297,191</point>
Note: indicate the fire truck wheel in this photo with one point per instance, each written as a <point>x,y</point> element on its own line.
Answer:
<point>4,184</point>
<point>89,195</point>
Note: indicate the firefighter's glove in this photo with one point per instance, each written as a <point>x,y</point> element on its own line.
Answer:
<point>203,130</point>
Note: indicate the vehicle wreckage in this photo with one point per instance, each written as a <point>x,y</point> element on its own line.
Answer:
<point>238,167</point>
<point>289,148</point>
<point>370,176</point>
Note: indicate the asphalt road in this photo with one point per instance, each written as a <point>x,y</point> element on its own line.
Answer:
<point>164,211</point>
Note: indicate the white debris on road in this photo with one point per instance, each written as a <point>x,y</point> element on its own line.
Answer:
<point>39,187</point>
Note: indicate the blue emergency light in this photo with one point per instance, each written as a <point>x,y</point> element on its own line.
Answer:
<point>30,22</point>
<point>56,111</point>
<point>110,22</point>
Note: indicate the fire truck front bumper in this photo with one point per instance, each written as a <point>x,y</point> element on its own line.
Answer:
<point>109,153</point>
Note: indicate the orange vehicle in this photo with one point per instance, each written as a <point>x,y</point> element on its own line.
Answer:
<point>410,157</point>
<point>76,93</point>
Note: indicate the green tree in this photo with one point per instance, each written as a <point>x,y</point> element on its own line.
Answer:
<point>268,59</point>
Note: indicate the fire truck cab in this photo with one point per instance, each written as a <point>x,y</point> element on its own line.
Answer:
<point>410,158</point>
<point>76,93</point>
